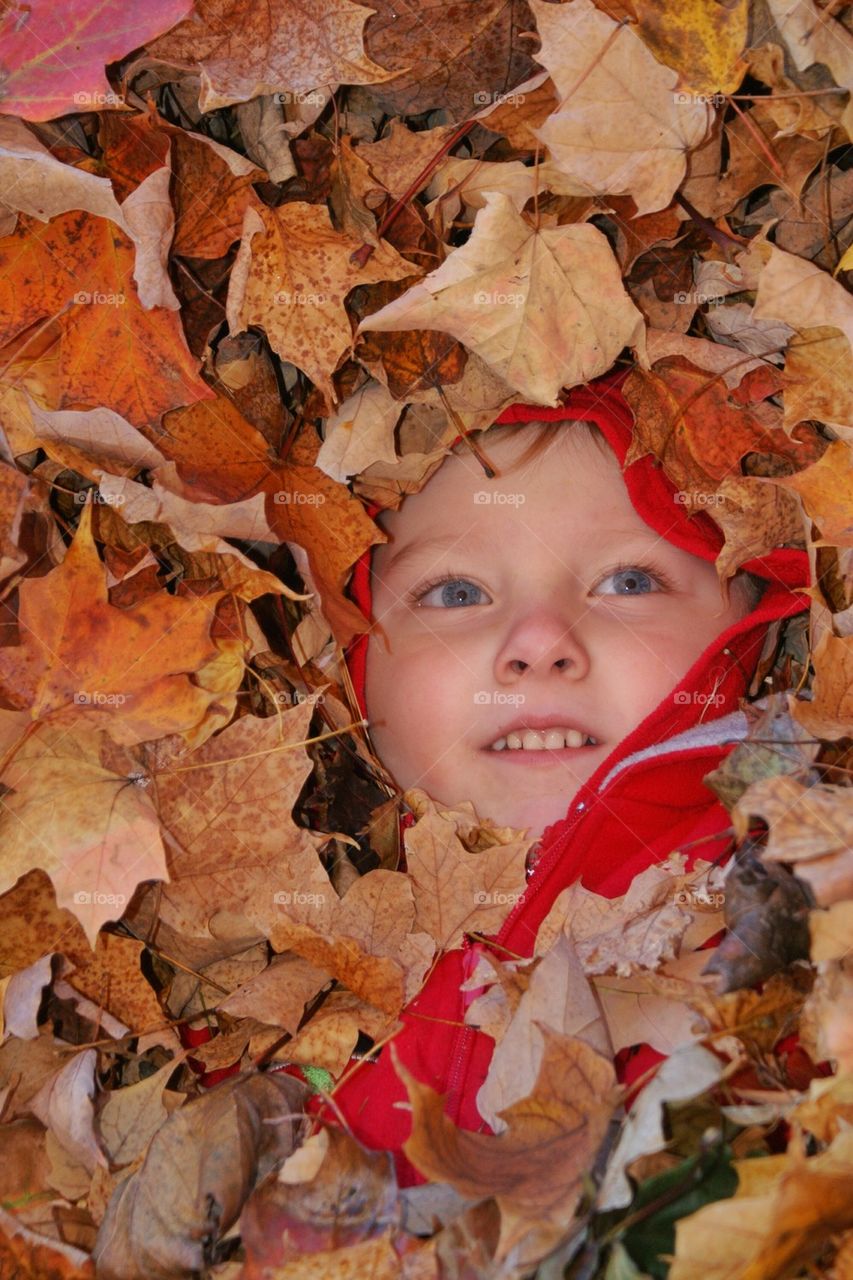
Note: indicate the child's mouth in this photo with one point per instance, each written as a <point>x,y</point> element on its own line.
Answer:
<point>532,746</point>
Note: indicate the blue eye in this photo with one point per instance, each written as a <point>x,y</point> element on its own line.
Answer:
<point>630,581</point>
<point>454,592</point>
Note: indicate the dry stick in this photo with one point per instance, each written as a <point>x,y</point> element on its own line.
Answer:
<point>721,239</point>
<point>760,139</point>
<point>361,255</point>
<point>254,755</point>
<point>488,466</point>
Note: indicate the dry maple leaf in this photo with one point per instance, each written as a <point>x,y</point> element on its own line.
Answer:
<point>545,311</point>
<point>367,942</point>
<point>291,275</point>
<point>534,1169</point>
<point>456,891</point>
<point>810,826</point>
<point>243,51</point>
<point>82,658</point>
<point>699,429</point>
<point>448,57</point>
<point>237,861</point>
<point>620,127</point>
<point>94,832</point>
<point>79,268</point>
<point>826,489</point>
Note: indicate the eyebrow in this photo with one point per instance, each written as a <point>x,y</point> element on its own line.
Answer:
<point>439,542</point>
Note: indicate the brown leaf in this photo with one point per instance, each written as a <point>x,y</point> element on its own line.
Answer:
<point>329,1195</point>
<point>446,56</point>
<point>456,891</point>
<point>243,52</point>
<point>766,915</point>
<point>619,127</point>
<point>534,1170</point>
<point>368,942</point>
<point>548,311</point>
<point>818,377</point>
<point>201,1165</point>
<point>810,826</point>
<point>237,861</point>
<point>291,275</point>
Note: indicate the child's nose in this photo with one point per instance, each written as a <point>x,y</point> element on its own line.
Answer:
<point>543,645</point>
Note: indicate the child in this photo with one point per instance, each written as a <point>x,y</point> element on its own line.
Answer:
<point>562,595</point>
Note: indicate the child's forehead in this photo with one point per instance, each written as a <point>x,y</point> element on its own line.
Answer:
<point>572,461</point>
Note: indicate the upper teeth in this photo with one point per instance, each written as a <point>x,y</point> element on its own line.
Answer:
<point>546,739</point>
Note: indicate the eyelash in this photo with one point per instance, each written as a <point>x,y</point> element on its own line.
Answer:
<point>663,579</point>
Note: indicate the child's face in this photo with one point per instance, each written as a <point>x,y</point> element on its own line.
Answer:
<point>534,620</point>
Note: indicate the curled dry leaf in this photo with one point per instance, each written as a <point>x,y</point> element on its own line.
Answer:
<point>165,1218</point>
<point>766,915</point>
<point>811,827</point>
<point>330,1194</point>
<point>534,1169</point>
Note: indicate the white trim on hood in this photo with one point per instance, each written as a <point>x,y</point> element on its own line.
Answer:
<point>712,734</point>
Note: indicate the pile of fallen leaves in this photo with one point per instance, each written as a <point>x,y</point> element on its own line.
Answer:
<point>259,265</point>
